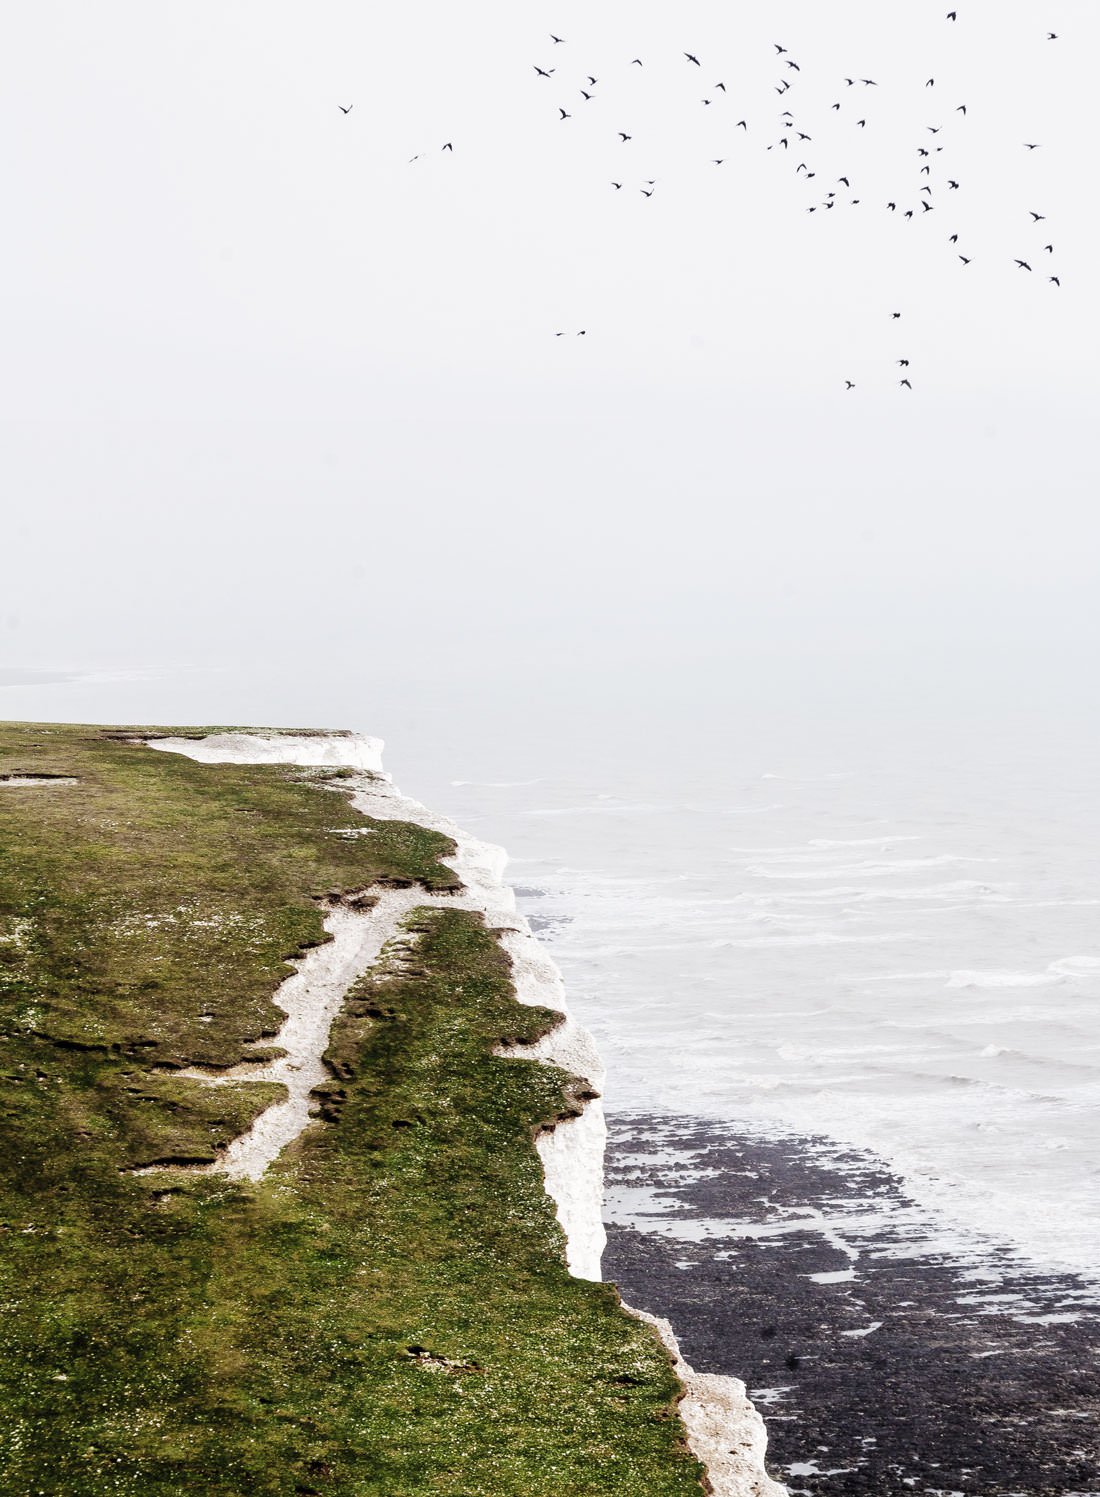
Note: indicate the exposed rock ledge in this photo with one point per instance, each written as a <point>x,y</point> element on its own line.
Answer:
<point>724,1430</point>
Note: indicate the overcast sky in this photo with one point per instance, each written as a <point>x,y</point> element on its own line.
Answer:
<point>282,405</point>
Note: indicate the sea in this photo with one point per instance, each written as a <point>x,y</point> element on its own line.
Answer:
<point>840,949</point>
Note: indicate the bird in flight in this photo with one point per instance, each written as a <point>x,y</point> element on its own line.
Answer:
<point>558,39</point>
<point>903,363</point>
<point>960,109</point>
<point>647,192</point>
<point>624,138</point>
<point>862,124</point>
<point>1028,146</point>
<point>870,82</point>
<point>1049,248</point>
<point>718,160</point>
<point>906,383</point>
<point>563,114</point>
<point>636,62</point>
<point>722,86</point>
<point>1023,264</point>
<point>952,15</point>
<point>954,239</point>
<point>895,315</point>
<point>448,147</point>
<point>778,48</point>
<point>1038,217</point>
<point>692,58</point>
<point>1052,36</point>
<point>543,72</point>
<point>592,81</point>
<point>964,259</point>
<point>587,96</point>
<point>893,207</point>
<point>931,83</point>
<point>617,185</point>
<point>741,125</point>
<point>794,65</point>
<point>849,385</point>
<point>952,184</point>
<point>1055,279</point>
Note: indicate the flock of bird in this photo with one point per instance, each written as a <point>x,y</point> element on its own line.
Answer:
<point>792,139</point>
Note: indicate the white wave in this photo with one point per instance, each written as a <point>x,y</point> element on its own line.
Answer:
<point>1003,979</point>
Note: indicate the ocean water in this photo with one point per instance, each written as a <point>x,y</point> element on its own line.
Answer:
<point>877,929</point>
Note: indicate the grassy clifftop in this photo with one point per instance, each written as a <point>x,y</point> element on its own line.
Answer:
<point>388,1311</point>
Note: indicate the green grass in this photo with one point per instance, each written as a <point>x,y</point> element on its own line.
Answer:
<point>388,1312</point>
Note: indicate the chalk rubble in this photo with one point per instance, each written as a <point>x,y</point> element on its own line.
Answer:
<point>724,1430</point>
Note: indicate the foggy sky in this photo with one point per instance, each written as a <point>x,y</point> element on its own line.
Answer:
<point>281,406</point>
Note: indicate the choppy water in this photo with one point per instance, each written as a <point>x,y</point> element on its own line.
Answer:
<point>891,940</point>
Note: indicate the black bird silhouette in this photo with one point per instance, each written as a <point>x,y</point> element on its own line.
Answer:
<point>554,38</point>
<point>909,213</point>
<point>895,315</point>
<point>635,62</point>
<point>794,65</point>
<point>778,48</point>
<point>1023,264</point>
<point>904,363</point>
<point>834,106</point>
<point>617,184</point>
<point>741,125</point>
<point>851,82</point>
<point>922,152</point>
<point>848,385</point>
<point>1055,279</point>
<point>1028,146</point>
<point>1052,36</point>
<point>1049,248</point>
<point>845,181</point>
<point>952,15</point>
<point>718,160</point>
<point>804,137</point>
<point>1038,217</point>
<point>543,72</point>
<point>926,171</point>
<point>692,58</point>
<point>348,110</point>
<point>722,86</point>
<point>870,82</point>
<point>964,259</point>
<point>935,129</point>
<point>587,96</point>
<point>906,383</point>
<point>646,193</point>
<point>952,184</point>
<point>893,207</point>
<point>954,239</point>
<point>624,137</point>
<point>592,80</point>
<point>928,208</point>
<point>931,83</point>
<point>960,109</point>
<point>928,190</point>
<point>563,114</point>
<point>862,124</point>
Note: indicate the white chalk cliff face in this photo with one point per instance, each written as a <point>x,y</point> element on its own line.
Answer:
<point>723,1428</point>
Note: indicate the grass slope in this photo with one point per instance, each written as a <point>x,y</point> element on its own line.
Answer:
<point>388,1312</point>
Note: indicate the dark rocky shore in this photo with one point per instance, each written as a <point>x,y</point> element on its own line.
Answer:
<point>882,1360</point>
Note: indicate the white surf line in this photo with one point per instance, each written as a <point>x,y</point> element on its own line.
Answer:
<point>724,1431</point>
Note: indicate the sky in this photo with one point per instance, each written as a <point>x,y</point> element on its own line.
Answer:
<point>287,433</point>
